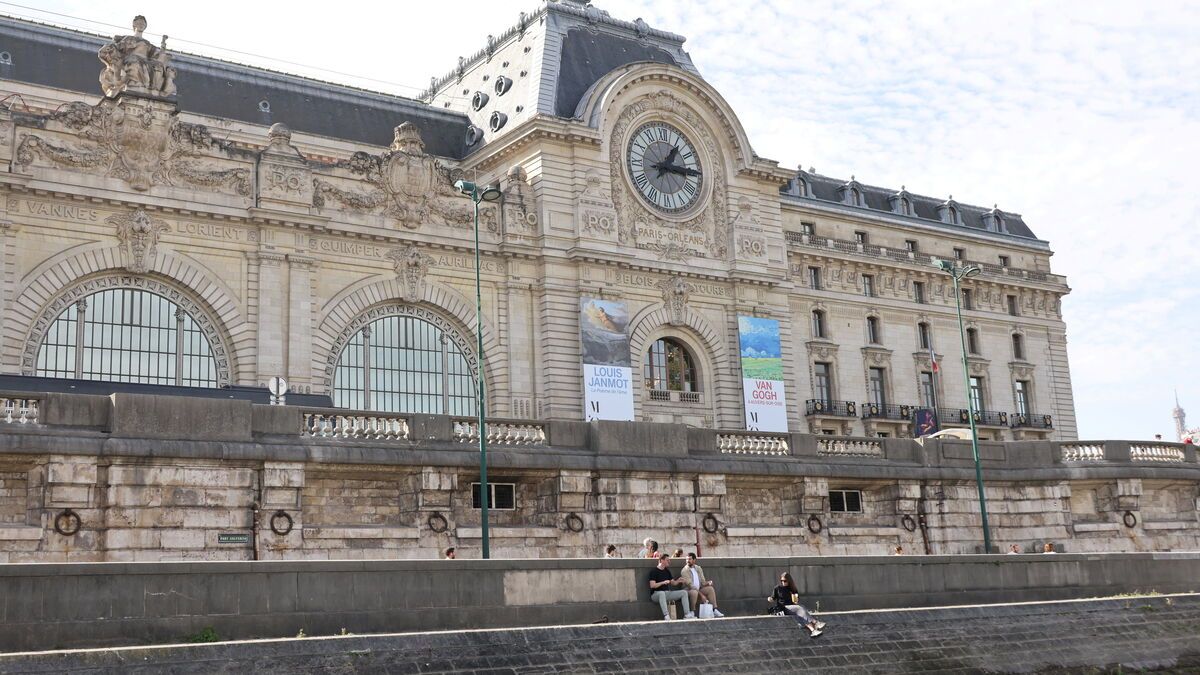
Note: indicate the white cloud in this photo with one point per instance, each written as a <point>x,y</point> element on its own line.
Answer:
<point>1079,115</point>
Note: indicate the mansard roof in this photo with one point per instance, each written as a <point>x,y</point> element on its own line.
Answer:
<point>66,59</point>
<point>826,189</point>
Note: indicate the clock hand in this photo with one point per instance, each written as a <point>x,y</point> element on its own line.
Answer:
<point>681,170</point>
<point>671,156</point>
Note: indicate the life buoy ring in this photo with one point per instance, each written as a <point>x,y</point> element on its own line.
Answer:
<point>281,523</point>
<point>710,524</point>
<point>437,523</point>
<point>573,522</point>
<point>1130,519</point>
<point>908,522</point>
<point>814,524</point>
<point>67,523</point>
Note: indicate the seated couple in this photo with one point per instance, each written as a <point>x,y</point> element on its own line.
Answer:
<point>689,588</point>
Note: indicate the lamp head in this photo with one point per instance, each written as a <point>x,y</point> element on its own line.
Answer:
<point>943,265</point>
<point>490,193</point>
<point>970,271</point>
<point>465,187</point>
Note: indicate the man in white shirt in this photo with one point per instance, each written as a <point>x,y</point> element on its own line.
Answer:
<point>698,588</point>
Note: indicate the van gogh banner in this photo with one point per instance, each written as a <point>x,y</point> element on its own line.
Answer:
<point>607,375</point>
<point>762,374</point>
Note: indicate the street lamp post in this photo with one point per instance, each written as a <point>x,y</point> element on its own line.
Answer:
<point>489,193</point>
<point>958,273</point>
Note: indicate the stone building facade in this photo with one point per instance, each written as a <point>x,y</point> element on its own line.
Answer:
<point>303,229</point>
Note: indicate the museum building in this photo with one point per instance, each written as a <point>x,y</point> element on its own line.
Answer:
<point>191,223</point>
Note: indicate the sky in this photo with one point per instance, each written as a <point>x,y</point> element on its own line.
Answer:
<point>1078,115</point>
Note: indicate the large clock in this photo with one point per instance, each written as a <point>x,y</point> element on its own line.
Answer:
<point>664,167</point>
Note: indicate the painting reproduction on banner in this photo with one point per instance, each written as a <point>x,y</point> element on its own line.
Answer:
<point>762,374</point>
<point>607,374</point>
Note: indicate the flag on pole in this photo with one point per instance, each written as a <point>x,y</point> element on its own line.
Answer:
<point>933,364</point>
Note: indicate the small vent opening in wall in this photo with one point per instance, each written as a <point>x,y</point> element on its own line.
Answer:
<point>264,105</point>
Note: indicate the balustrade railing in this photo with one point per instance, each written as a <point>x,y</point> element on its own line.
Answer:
<point>367,426</point>
<point>817,406</point>
<point>1083,452</point>
<point>500,433</point>
<point>1155,452</point>
<point>752,444</point>
<point>887,411</point>
<point>846,447</point>
<point>675,396</point>
<point>19,410</point>
<point>1032,421</point>
<point>991,418</point>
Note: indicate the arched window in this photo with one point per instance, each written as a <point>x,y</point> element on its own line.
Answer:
<point>972,340</point>
<point>872,330</point>
<point>404,364</point>
<point>818,323</point>
<point>127,335</point>
<point>669,367</point>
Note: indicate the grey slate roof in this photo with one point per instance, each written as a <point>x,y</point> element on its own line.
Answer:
<point>826,189</point>
<point>588,56</point>
<point>66,59</point>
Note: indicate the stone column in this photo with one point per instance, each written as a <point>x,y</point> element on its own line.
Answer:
<point>272,313</point>
<point>301,302</point>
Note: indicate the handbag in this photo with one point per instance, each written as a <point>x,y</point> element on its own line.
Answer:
<point>706,611</point>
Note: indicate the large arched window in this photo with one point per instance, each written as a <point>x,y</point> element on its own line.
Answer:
<point>404,364</point>
<point>669,367</point>
<point>127,335</point>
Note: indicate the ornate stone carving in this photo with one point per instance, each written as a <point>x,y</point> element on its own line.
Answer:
<point>675,292</point>
<point>410,266</point>
<point>138,233</point>
<point>284,178</point>
<point>704,235</point>
<point>133,65</point>
<point>140,141</point>
<point>520,208</point>
<point>408,185</point>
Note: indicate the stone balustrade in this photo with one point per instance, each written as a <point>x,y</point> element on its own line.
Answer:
<point>1155,452</point>
<point>501,433</point>
<point>366,426</point>
<point>855,448</point>
<point>19,410</point>
<point>752,444</point>
<point>1083,452</point>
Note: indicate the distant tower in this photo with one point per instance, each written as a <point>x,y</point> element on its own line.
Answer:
<point>1181,429</point>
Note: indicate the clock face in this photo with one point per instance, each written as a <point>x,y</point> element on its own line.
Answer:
<point>664,167</point>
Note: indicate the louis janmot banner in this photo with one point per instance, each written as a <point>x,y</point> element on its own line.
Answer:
<point>607,375</point>
<point>762,374</point>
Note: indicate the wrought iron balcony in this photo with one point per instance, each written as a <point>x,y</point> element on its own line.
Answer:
<point>887,411</point>
<point>817,406</point>
<point>987,418</point>
<point>1032,421</point>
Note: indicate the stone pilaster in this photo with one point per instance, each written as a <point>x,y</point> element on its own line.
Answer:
<point>272,313</point>
<point>300,321</point>
<point>280,517</point>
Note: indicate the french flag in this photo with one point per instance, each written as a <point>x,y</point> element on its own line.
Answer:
<point>933,360</point>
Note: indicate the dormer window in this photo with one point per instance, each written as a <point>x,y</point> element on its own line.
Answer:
<point>860,237</point>
<point>993,221</point>
<point>808,229</point>
<point>948,212</point>
<point>852,193</point>
<point>902,203</point>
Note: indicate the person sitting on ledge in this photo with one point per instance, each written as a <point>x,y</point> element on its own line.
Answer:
<point>1048,548</point>
<point>785,599</point>
<point>1014,549</point>
<point>661,581</point>
<point>449,554</point>
<point>610,551</point>
<point>700,590</point>
<point>652,550</point>
<point>645,552</point>
<point>677,553</point>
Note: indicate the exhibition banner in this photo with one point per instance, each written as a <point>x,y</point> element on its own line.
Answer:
<point>762,374</point>
<point>607,375</point>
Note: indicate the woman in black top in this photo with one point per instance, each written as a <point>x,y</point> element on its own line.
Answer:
<point>785,599</point>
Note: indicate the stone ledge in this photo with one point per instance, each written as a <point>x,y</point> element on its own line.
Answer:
<point>862,531</point>
<point>365,532</point>
<point>1097,527</point>
<point>1168,525</point>
<point>766,531</point>
<point>21,533</point>
<point>509,533</point>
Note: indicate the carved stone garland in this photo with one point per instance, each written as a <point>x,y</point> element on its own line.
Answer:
<point>409,185</point>
<point>711,221</point>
